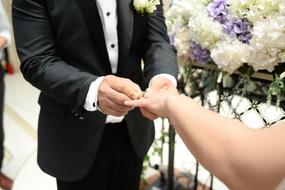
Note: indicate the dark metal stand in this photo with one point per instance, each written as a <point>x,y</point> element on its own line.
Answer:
<point>202,85</point>
<point>196,176</point>
<point>170,175</point>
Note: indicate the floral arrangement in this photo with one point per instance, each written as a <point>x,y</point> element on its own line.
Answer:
<point>231,34</point>
<point>145,6</point>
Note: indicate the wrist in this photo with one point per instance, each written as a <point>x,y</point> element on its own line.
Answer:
<point>170,103</point>
<point>91,100</point>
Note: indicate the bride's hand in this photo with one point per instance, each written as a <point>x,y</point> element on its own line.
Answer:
<point>154,101</point>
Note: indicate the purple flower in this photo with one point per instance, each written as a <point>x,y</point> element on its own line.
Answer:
<point>239,29</point>
<point>218,10</point>
<point>198,54</point>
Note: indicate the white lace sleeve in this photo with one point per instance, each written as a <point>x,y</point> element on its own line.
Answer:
<point>281,186</point>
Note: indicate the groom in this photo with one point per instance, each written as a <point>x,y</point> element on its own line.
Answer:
<point>85,58</point>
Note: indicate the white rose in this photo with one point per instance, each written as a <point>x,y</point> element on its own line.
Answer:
<point>205,31</point>
<point>140,3</point>
<point>145,6</point>
<point>182,42</point>
<point>231,54</point>
<point>262,58</point>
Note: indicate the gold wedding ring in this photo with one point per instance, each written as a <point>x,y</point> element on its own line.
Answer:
<point>145,92</point>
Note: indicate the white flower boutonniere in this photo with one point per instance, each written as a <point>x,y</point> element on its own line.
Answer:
<point>146,6</point>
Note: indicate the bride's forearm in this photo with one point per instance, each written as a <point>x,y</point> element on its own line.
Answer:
<point>240,156</point>
<point>214,140</point>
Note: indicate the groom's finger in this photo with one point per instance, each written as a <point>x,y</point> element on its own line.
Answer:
<point>136,103</point>
<point>127,87</point>
<point>131,92</point>
<point>117,106</point>
<point>110,110</point>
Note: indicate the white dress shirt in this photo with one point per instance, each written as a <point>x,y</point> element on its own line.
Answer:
<point>4,28</point>
<point>108,14</point>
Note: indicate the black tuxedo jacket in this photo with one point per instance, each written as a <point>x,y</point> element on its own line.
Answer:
<point>62,50</point>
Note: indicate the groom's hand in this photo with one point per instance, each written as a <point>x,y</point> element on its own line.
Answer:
<point>113,92</point>
<point>158,83</point>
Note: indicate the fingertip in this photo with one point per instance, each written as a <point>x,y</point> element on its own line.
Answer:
<point>130,104</point>
<point>127,102</point>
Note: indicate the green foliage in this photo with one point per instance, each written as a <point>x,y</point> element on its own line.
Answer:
<point>245,73</point>
<point>156,150</point>
<point>276,89</point>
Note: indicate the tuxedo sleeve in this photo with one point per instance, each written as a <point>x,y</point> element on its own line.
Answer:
<point>40,63</point>
<point>159,55</point>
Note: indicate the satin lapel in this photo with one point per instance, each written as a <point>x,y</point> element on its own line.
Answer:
<point>91,16</point>
<point>125,27</point>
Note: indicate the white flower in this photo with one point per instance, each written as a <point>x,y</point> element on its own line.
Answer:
<point>282,8</point>
<point>281,56</point>
<point>263,58</point>
<point>182,42</point>
<point>268,43</point>
<point>254,10</point>
<point>229,55</point>
<point>191,6</point>
<point>269,32</point>
<point>176,17</point>
<point>145,6</point>
<point>266,47</point>
<point>205,2</point>
<point>205,31</point>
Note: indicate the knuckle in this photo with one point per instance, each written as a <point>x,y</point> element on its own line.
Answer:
<point>123,88</point>
<point>103,108</point>
<point>126,109</point>
<point>108,78</point>
<point>129,81</point>
<point>137,86</point>
<point>102,86</point>
<point>104,91</point>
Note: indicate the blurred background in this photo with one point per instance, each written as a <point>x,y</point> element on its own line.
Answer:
<point>20,127</point>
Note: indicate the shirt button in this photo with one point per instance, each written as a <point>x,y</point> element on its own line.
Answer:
<point>108,13</point>
<point>93,105</point>
<point>112,45</point>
